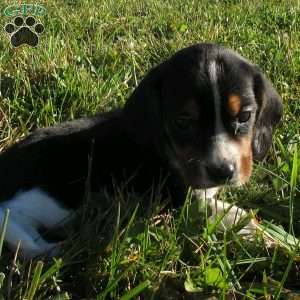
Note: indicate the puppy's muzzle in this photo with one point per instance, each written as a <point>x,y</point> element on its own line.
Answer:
<point>220,172</point>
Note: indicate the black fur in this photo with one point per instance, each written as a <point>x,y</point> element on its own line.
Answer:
<point>268,115</point>
<point>137,141</point>
<point>57,160</point>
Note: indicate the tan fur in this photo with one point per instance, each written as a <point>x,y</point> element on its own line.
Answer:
<point>245,160</point>
<point>234,104</point>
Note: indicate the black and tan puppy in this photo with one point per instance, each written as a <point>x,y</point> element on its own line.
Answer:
<point>198,119</point>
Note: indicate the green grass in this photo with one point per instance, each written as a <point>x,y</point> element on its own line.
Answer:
<point>91,57</point>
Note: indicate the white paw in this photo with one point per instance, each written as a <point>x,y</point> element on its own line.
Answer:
<point>229,216</point>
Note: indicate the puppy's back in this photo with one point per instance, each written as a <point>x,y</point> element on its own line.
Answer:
<point>57,155</point>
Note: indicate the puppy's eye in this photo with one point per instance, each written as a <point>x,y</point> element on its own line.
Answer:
<point>184,122</point>
<point>244,116</point>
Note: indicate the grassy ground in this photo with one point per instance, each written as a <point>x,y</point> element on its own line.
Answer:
<point>91,57</point>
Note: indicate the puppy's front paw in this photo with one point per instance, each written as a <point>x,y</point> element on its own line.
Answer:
<point>226,215</point>
<point>250,228</point>
<point>229,216</point>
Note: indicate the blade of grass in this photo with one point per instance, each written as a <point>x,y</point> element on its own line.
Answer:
<point>3,229</point>
<point>113,284</point>
<point>136,291</point>
<point>279,235</point>
<point>285,275</point>
<point>52,270</point>
<point>35,281</point>
<point>64,296</point>
<point>293,182</point>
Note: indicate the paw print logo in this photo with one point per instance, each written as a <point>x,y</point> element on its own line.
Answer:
<point>24,31</point>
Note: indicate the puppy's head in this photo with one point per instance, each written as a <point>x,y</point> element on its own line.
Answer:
<point>208,112</point>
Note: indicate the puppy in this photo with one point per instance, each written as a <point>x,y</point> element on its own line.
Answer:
<point>197,120</point>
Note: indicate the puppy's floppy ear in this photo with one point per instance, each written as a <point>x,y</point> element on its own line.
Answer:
<point>268,114</point>
<point>143,112</point>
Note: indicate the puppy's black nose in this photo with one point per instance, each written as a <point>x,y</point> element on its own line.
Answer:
<point>220,172</point>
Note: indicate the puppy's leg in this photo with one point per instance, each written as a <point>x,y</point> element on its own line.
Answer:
<point>31,243</point>
<point>30,211</point>
<point>230,214</point>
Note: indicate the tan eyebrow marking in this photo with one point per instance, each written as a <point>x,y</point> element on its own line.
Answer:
<point>234,104</point>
